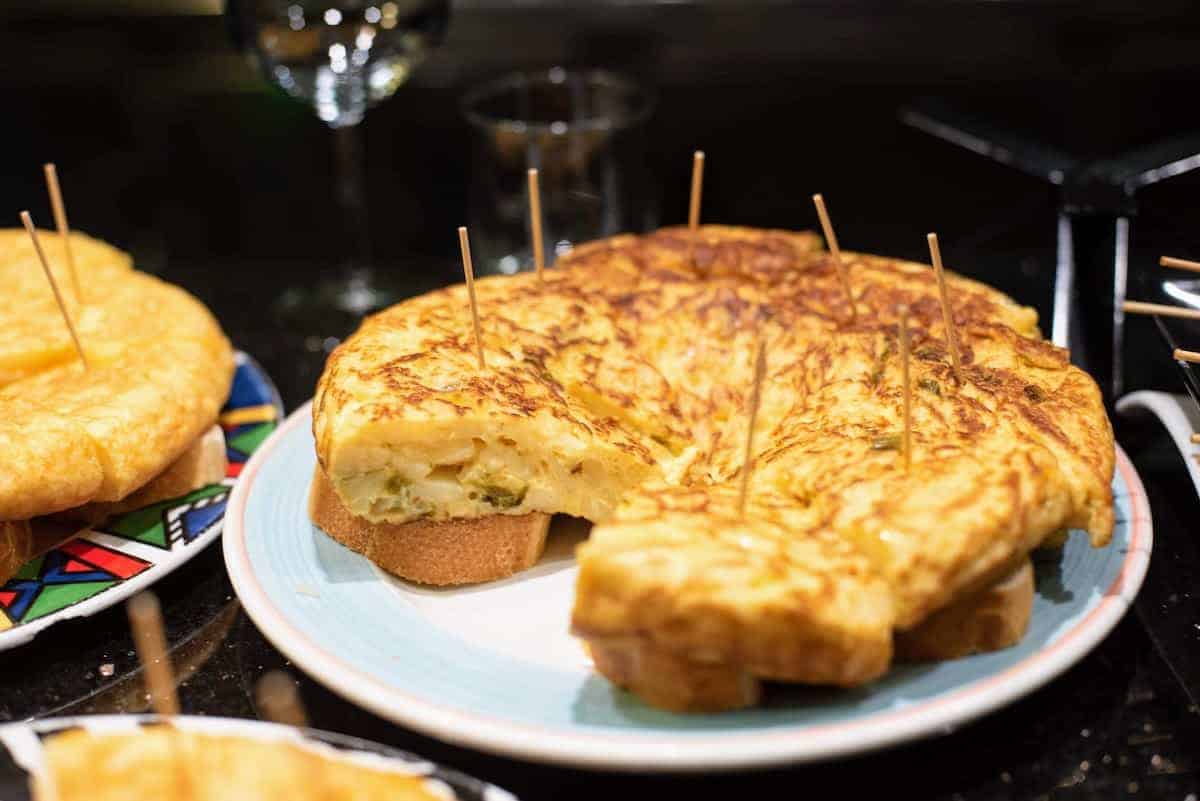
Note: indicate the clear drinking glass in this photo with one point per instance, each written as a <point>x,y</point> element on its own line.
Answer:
<point>341,57</point>
<point>583,133</point>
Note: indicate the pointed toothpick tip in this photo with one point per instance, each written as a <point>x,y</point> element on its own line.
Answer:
<point>464,244</point>
<point>27,221</point>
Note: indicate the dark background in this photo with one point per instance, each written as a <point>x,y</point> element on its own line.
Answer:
<point>170,145</point>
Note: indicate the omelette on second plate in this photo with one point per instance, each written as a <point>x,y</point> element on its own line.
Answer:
<point>136,423</point>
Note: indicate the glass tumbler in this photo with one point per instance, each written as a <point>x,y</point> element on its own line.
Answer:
<point>583,131</point>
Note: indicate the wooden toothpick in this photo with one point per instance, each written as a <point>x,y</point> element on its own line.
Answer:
<point>1138,307</point>
<point>464,244</point>
<point>145,619</point>
<point>697,188</point>
<point>1180,264</point>
<point>150,640</point>
<point>935,254</point>
<point>835,251</point>
<point>64,228</point>
<point>62,306</point>
<point>760,370</point>
<point>904,350</point>
<point>279,700</point>
<point>1182,355</point>
<point>535,223</point>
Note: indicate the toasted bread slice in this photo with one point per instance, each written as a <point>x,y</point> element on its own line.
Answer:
<point>202,464</point>
<point>990,620</point>
<point>668,681</point>
<point>438,552</point>
<point>21,540</point>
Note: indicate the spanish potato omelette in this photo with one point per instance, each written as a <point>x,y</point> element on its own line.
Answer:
<point>159,370</point>
<point>615,390</point>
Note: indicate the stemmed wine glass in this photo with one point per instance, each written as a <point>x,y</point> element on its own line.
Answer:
<point>342,57</point>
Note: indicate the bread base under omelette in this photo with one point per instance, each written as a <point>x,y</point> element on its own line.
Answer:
<point>436,552</point>
<point>990,620</point>
<point>21,540</point>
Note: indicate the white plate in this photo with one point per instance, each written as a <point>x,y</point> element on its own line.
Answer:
<point>21,749</point>
<point>493,667</point>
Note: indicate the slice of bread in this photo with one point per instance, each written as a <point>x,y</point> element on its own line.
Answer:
<point>994,618</point>
<point>202,464</point>
<point>441,553</point>
<point>21,540</point>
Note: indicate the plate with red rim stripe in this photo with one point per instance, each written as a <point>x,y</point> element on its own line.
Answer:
<point>493,666</point>
<point>107,564</point>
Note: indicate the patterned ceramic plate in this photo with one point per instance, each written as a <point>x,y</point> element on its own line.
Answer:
<point>493,667</point>
<point>107,565</point>
<point>21,749</point>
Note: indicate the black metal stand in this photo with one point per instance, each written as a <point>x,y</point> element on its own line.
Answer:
<point>1096,207</point>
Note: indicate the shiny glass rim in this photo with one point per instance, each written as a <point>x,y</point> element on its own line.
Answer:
<point>644,101</point>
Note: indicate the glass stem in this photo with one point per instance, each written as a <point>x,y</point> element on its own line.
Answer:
<point>351,198</point>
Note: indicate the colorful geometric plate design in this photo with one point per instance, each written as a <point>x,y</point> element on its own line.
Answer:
<point>108,564</point>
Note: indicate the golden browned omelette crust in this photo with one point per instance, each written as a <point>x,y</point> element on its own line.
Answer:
<point>615,390</point>
<point>162,762</point>
<point>160,369</point>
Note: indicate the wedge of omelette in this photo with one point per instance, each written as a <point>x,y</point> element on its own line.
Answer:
<point>616,390</point>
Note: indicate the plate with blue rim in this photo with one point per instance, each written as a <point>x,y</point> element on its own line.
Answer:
<point>494,667</point>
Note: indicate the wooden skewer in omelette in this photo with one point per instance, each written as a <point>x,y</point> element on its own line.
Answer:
<point>835,251</point>
<point>64,228</point>
<point>535,223</point>
<point>614,398</point>
<point>27,221</point>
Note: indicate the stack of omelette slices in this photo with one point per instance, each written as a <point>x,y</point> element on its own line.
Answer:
<point>616,390</point>
<point>135,425</point>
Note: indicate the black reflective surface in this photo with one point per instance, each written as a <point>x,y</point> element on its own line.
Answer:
<point>167,146</point>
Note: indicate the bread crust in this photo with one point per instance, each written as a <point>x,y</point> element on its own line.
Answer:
<point>988,620</point>
<point>995,618</point>
<point>440,553</point>
<point>21,540</point>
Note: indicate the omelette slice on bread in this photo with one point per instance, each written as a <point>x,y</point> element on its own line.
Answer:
<point>138,424</point>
